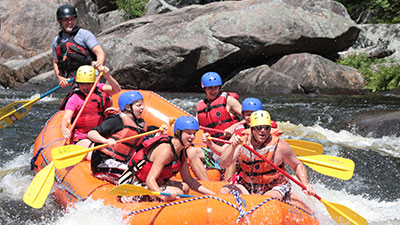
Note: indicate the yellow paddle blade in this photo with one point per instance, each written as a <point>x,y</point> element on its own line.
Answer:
<point>343,215</point>
<point>305,148</point>
<point>131,190</point>
<point>333,166</point>
<point>37,192</point>
<point>15,111</point>
<point>68,155</point>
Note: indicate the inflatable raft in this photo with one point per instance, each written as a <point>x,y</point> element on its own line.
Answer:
<point>76,183</point>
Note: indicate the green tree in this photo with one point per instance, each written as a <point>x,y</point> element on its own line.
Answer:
<point>131,8</point>
<point>383,11</point>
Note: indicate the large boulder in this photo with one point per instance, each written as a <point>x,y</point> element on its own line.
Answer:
<point>316,74</point>
<point>262,80</point>
<point>377,125</point>
<point>171,51</point>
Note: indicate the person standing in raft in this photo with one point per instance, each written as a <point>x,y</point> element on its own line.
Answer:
<point>93,113</point>
<point>257,176</point>
<point>110,162</point>
<point>161,158</point>
<point>219,111</point>
<point>73,46</point>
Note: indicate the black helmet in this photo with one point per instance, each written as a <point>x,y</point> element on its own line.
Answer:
<point>66,11</point>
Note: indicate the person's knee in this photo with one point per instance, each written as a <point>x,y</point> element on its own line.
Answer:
<point>185,188</point>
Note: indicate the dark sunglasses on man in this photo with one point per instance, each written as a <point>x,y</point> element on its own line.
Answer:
<point>260,127</point>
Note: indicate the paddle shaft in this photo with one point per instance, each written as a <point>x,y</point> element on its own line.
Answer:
<point>180,195</point>
<point>34,100</point>
<point>211,129</point>
<point>69,155</point>
<point>277,168</point>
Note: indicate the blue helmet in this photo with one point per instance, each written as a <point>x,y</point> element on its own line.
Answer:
<point>128,98</point>
<point>186,123</point>
<point>211,79</point>
<point>251,104</point>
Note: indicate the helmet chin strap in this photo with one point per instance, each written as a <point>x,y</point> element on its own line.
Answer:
<point>133,115</point>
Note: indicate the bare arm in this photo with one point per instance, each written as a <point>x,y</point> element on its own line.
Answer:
<point>233,106</point>
<point>100,54</point>
<point>62,80</point>
<point>217,149</point>
<point>287,155</point>
<point>160,156</point>
<point>65,122</point>
<point>95,136</point>
<point>113,86</point>
<point>193,183</point>
<point>231,152</point>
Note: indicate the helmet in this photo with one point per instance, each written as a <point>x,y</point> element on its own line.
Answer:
<point>186,123</point>
<point>66,11</point>
<point>260,118</point>
<point>251,104</point>
<point>85,74</point>
<point>211,79</point>
<point>128,98</point>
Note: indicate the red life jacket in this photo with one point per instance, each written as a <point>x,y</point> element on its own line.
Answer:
<point>71,55</point>
<point>123,151</point>
<point>141,165</point>
<point>92,114</point>
<point>214,114</point>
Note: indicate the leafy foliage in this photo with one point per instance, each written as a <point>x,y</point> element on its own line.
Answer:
<point>131,8</point>
<point>383,11</point>
<point>380,79</point>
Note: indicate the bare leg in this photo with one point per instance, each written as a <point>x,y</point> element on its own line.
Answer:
<point>195,155</point>
<point>86,143</point>
<point>225,189</point>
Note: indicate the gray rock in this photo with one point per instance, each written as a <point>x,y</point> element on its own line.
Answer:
<point>380,34</point>
<point>378,125</point>
<point>171,51</point>
<point>316,74</point>
<point>262,80</point>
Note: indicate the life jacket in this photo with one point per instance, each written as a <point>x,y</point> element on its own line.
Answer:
<point>214,114</point>
<point>123,151</point>
<point>255,172</point>
<point>92,115</point>
<point>71,55</point>
<point>141,165</point>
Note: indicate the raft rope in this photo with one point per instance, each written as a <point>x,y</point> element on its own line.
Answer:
<point>240,202</point>
<point>34,158</point>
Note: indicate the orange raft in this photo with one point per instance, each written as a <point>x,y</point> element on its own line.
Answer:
<point>76,183</point>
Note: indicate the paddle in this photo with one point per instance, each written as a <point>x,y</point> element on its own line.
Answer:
<point>133,190</point>
<point>12,112</point>
<point>37,192</point>
<point>300,147</point>
<point>325,164</point>
<point>340,213</point>
<point>69,155</point>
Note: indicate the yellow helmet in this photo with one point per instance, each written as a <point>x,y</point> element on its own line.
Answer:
<point>85,74</point>
<point>260,118</point>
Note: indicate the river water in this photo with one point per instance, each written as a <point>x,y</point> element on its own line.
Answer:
<point>373,192</point>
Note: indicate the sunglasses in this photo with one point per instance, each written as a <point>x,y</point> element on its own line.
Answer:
<point>258,128</point>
